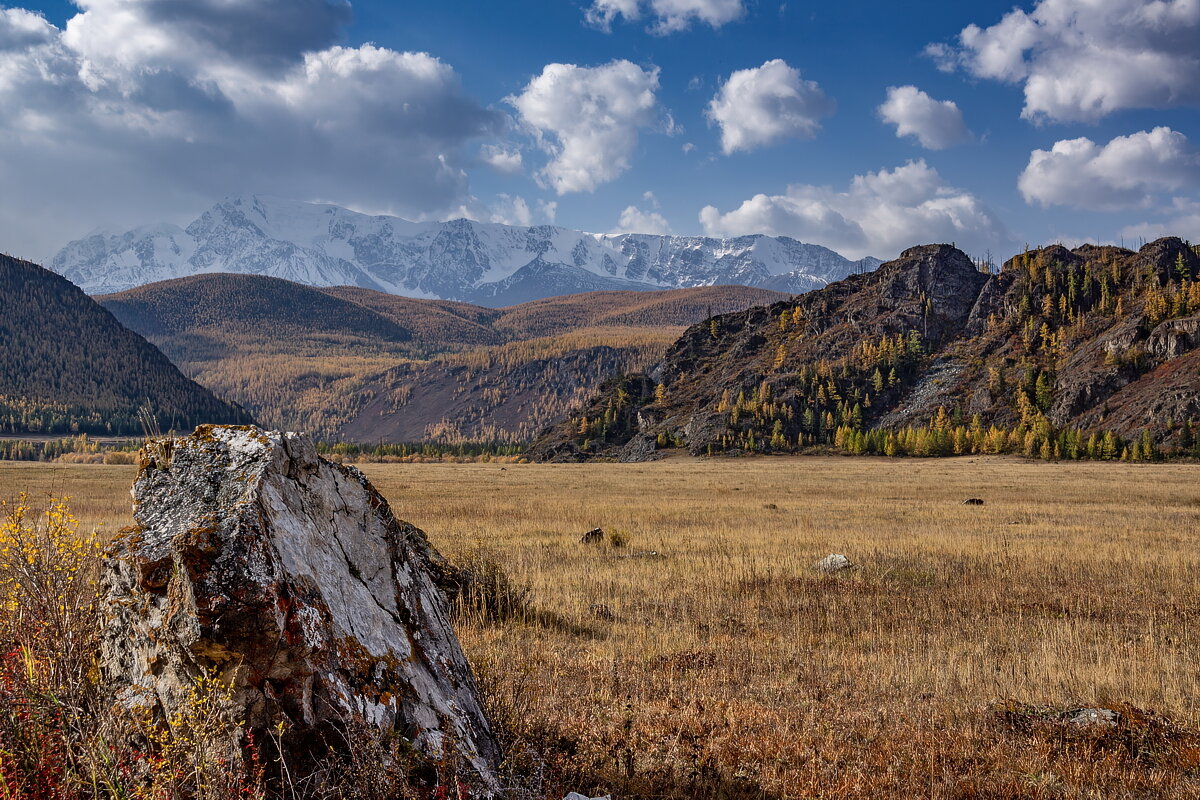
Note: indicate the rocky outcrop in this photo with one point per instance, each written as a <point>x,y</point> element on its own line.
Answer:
<point>1064,343</point>
<point>288,577</point>
<point>929,291</point>
<point>1174,337</point>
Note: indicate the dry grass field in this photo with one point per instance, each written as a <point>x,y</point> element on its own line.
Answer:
<point>726,668</point>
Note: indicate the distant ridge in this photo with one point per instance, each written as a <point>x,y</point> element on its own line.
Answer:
<point>70,367</point>
<point>354,363</point>
<point>484,263</point>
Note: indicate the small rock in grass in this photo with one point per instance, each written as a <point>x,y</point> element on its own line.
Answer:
<point>594,536</point>
<point>578,796</point>
<point>1092,718</point>
<point>972,501</point>
<point>833,563</point>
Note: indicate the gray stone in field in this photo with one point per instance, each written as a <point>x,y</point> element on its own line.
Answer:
<point>972,501</point>
<point>287,577</point>
<point>578,796</point>
<point>1092,718</point>
<point>833,563</point>
<point>594,536</point>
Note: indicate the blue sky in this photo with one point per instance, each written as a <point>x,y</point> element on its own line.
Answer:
<point>139,111</point>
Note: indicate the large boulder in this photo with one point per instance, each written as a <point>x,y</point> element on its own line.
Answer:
<point>287,576</point>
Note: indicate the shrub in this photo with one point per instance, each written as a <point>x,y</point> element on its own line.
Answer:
<point>619,537</point>
<point>479,589</point>
<point>61,738</point>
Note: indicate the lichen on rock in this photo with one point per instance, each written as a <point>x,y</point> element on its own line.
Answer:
<point>287,576</point>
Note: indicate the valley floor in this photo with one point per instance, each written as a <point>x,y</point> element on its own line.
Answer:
<point>728,668</point>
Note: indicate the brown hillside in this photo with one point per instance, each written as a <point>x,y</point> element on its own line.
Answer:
<point>358,364</point>
<point>678,307</point>
<point>438,324</point>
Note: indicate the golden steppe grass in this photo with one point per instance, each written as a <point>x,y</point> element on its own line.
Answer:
<point>727,668</point>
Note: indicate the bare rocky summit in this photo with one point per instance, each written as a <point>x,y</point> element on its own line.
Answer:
<point>288,577</point>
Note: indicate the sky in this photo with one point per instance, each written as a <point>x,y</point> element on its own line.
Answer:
<point>866,126</point>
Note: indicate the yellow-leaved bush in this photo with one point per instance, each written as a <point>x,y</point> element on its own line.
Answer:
<point>61,737</point>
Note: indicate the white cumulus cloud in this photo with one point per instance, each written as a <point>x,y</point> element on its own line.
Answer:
<point>636,220</point>
<point>880,214</point>
<point>515,210</point>
<point>668,16</point>
<point>1084,59</point>
<point>1182,219</point>
<point>143,109</point>
<point>1127,172</point>
<point>758,106</point>
<point>505,159</point>
<point>937,124</point>
<point>587,120</point>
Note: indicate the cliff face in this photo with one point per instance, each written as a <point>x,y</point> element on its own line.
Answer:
<point>1096,339</point>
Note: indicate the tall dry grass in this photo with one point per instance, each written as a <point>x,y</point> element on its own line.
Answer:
<point>728,668</point>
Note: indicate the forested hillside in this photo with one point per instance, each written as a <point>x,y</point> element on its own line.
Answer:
<point>69,367</point>
<point>1085,353</point>
<point>347,362</point>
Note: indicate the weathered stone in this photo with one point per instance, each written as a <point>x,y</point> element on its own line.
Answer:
<point>973,501</point>
<point>832,563</point>
<point>288,577</point>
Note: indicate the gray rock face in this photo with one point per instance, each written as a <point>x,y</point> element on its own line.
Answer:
<point>639,449</point>
<point>1175,337</point>
<point>288,577</point>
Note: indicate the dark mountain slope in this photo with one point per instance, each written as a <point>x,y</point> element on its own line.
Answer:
<point>927,355</point>
<point>69,366</point>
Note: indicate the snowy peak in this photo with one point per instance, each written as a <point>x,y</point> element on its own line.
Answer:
<point>326,245</point>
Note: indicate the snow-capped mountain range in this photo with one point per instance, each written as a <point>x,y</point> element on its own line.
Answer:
<point>485,263</point>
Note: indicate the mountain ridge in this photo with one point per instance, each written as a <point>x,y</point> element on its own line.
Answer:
<point>485,263</point>
<point>1063,353</point>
